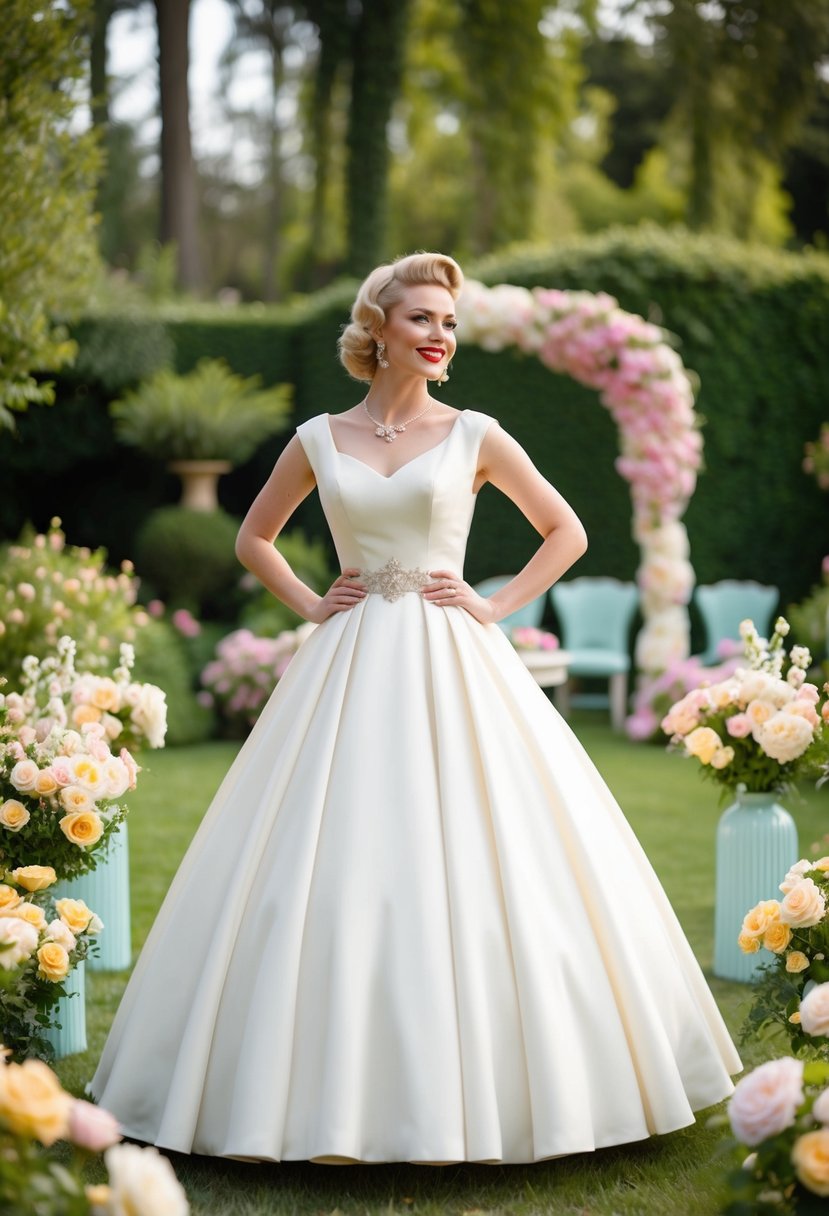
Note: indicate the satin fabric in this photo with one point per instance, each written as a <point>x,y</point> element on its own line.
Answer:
<point>414,924</point>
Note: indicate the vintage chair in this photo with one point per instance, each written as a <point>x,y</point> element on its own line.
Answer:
<point>723,605</point>
<point>530,614</point>
<point>595,616</point>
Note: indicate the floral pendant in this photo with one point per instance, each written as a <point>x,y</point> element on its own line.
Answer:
<point>389,433</point>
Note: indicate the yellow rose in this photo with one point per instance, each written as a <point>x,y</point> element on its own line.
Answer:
<point>796,961</point>
<point>758,919</point>
<point>82,827</point>
<point>822,863</point>
<point>32,914</point>
<point>9,898</point>
<point>34,878</point>
<point>45,784</point>
<point>794,1018</point>
<point>98,1195</point>
<point>54,962</point>
<point>82,714</point>
<point>810,1158</point>
<point>13,815</point>
<point>777,937</point>
<point>704,743</point>
<point>32,1103</point>
<point>748,943</point>
<point>106,695</point>
<point>74,914</point>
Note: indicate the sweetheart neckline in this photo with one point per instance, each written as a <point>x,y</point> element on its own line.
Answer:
<point>390,476</point>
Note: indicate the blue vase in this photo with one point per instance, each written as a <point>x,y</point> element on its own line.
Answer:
<point>756,846</point>
<point>106,890</point>
<point>70,1014</point>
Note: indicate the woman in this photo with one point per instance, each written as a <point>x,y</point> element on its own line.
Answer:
<point>414,924</point>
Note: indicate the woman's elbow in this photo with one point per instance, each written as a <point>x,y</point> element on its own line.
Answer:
<point>579,539</point>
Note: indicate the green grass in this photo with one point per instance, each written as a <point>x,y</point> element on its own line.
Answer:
<point>673,812</point>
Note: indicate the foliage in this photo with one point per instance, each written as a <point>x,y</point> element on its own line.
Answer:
<point>48,588</point>
<point>188,558</point>
<point>245,671</point>
<point>265,615</point>
<point>786,1103</point>
<point>816,457</point>
<point>119,348</point>
<point>810,618</point>
<point>209,414</point>
<point>31,977</point>
<point>763,727</point>
<point>47,182</point>
<point>38,1119</point>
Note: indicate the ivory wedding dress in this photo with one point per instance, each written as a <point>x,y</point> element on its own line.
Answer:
<point>414,925</point>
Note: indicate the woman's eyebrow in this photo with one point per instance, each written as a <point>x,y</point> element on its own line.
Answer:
<point>449,316</point>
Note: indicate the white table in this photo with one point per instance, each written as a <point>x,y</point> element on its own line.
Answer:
<point>547,667</point>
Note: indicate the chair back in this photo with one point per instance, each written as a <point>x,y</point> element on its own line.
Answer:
<point>595,613</point>
<point>725,604</point>
<point>530,614</point>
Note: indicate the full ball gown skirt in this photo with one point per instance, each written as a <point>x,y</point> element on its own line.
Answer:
<point>414,924</point>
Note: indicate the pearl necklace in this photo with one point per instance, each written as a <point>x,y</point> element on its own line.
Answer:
<point>390,433</point>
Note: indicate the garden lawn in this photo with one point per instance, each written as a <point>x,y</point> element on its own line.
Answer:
<point>674,813</point>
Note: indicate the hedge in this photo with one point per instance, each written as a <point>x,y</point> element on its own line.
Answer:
<point>752,323</point>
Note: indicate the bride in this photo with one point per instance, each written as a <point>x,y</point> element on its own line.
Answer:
<point>414,924</point>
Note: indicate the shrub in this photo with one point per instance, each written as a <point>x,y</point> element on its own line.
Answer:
<point>49,588</point>
<point>188,559</point>
<point>245,671</point>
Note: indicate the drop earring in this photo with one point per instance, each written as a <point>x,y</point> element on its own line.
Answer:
<point>381,350</point>
<point>444,375</point>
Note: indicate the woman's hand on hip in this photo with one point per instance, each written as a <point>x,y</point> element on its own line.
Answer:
<point>450,591</point>
<point>344,593</point>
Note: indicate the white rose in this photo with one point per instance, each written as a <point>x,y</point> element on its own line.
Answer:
<point>820,1110</point>
<point>814,1011</point>
<point>150,714</point>
<point>57,931</point>
<point>765,1102</point>
<point>117,777</point>
<point>18,941</point>
<point>24,775</point>
<point>796,873</point>
<point>784,737</point>
<point>755,686</point>
<point>804,905</point>
<point>143,1183</point>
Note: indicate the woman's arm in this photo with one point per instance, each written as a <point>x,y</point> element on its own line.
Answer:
<point>505,464</point>
<point>291,481</point>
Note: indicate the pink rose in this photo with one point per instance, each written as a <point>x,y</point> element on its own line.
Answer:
<point>738,726</point>
<point>91,1127</point>
<point>765,1102</point>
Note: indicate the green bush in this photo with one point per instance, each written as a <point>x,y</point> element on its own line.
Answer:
<point>161,658</point>
<point>49,588</point>
<point>187,559</point>
<point>264,614</point>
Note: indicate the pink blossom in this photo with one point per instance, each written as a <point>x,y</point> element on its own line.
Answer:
<point>156,608</point>
<point>765,1102</point>
<point>91,1127</point>
<point>738,726</point>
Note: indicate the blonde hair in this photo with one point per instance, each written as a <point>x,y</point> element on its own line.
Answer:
<point>381,290</point>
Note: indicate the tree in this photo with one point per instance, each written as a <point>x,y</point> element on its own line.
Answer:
<point>179,198</point>
<point>48,174</point>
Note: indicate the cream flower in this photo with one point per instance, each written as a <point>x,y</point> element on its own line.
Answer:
<point>814,1010</point>
<point>765,1102</point>
<point>804,905</point>
<point>31,913</point>
<point>13,815</point>
<point>56,931</point>
<point>150,715</point>
<point>32,1102</point>
<point>784,737</point>
<point>9,898</point>
<point>810,1157</point>
<point>704,743</point>
<point>24,775</point>
<point>820,1110</point>
<point>18,941</point>
<point>796,873</point>
<point>143,1183</point>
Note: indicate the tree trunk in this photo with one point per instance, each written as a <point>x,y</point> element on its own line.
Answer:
<point>179,205</point>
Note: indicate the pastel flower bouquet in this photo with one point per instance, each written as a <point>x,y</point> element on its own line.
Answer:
<point>37,1114</point>
<point>41,940</point>
<point>61,784</point>
<point>245,671</point>
<point>527,637</point>
<point>764,726</point>
<point>779,1116</point>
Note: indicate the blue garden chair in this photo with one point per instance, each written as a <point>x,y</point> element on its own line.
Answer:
<point>530,614</point>
<point>595,616</point>
<point>723,605</point>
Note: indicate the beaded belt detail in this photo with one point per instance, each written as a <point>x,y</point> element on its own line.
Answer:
<point>392,581</point>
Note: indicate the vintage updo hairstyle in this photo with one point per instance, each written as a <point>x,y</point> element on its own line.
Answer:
<point>381,290</point>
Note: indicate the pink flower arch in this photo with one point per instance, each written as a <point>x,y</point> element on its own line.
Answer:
<point>641,380</point>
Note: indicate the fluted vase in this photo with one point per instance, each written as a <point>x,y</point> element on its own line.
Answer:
<point>68,1032</point>
<point>106,890</point>
<point>756,845</point>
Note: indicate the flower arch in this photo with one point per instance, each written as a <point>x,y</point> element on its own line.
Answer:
<point>642,382</point>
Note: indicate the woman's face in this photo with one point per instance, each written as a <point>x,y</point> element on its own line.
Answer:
<point>419,331</point>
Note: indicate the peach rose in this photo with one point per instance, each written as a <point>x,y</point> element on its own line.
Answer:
<point>74,913</point>
<point>13,815</point>
<point>32,1102</point>
<point>91,1127</point>
<point>54,961</point>
<point>810,1158</point>
<point>796,961</point>
<point>46,783</point>
<point>758,919</point>
<point>704,743</point>
<point>814,1010</point>
<point>804,905</point>
<point>9,898</point>
<point>34,878</point>
<point>765,1102</point>
<point>748,943</point>
<point>106,695</point>
<point>112,726</point>
<point>24,775</point>
<point>777,937</point>
<point>759,712</point>
<point>84,828</point>
<point>722,757</point>
<point>31,913</point>
<point>75,799</point>
<point>82,714</point>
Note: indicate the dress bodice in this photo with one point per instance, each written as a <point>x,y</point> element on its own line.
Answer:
<point>419,516</point>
